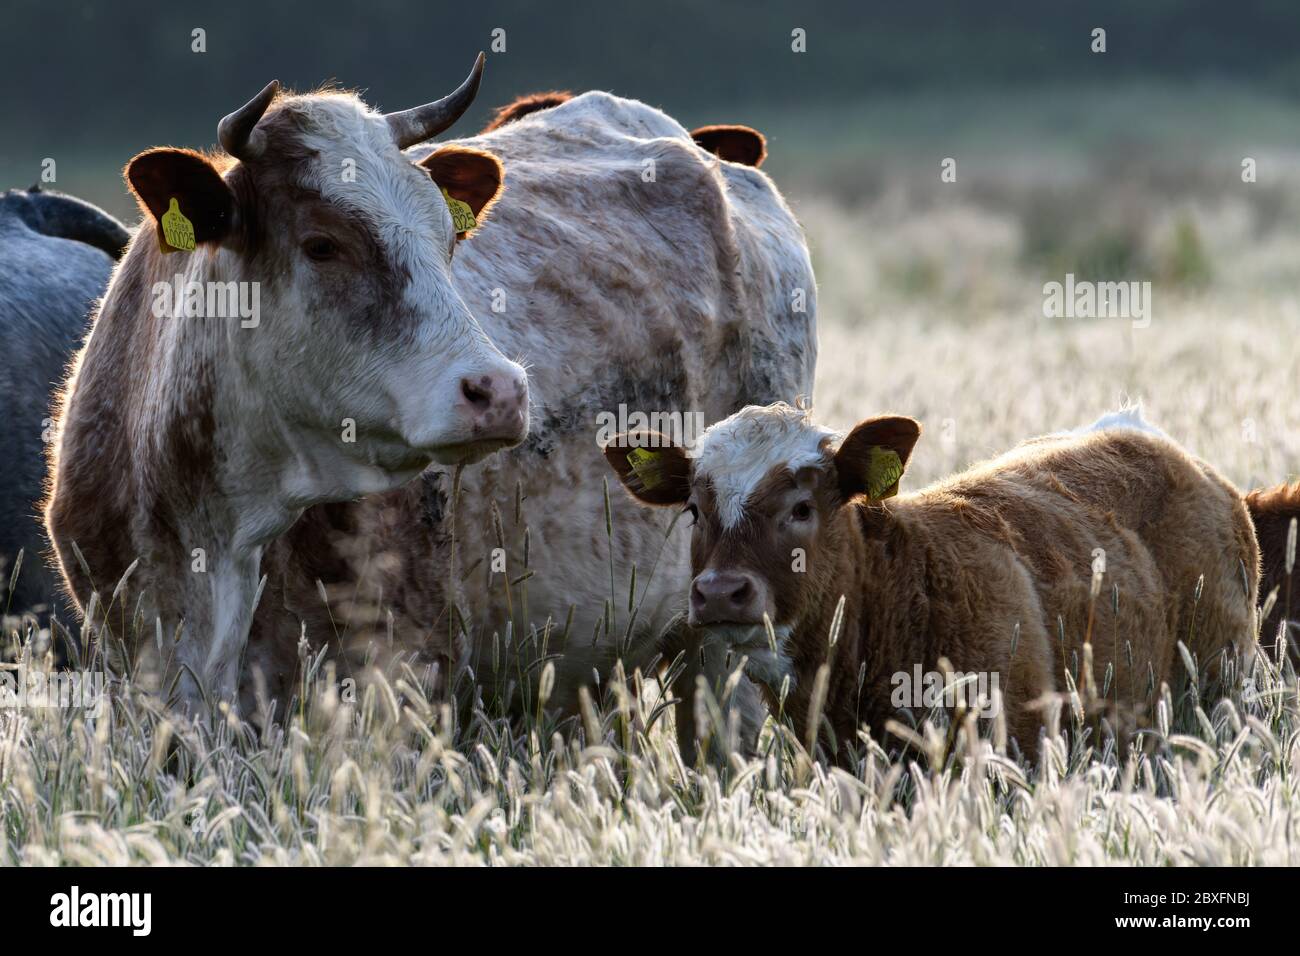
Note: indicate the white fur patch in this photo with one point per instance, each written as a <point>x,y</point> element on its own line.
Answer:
<point>736,453</point>
<point>1129,418</point>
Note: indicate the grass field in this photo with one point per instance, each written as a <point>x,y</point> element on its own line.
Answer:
<point>931,306</point>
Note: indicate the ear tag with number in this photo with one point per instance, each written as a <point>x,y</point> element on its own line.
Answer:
<point>883,473</point>
<point>462,217</point>
<point>645,465</point>
<point>178,232</point>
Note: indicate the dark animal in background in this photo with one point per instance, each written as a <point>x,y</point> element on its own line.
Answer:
<point>56,254</point>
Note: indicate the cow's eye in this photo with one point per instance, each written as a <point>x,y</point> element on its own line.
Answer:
<point>320,249</point>
<point>801,512</point>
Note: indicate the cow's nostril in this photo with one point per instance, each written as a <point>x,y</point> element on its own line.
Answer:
<point>741,594</point>
<point>478,396</point>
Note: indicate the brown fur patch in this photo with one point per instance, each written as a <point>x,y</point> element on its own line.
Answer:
<point>521,106</point>
<point>1272,510</point>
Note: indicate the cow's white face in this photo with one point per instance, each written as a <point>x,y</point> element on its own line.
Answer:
<point>361,345</point>
<point>364,298</point>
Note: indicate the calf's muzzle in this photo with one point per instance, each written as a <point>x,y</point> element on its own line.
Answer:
<point>727,597</point>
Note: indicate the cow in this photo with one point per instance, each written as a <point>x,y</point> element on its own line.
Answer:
<point>1089,553</point>
<point>56,254</point>
<point>193,433</point>
<point>630,269</point>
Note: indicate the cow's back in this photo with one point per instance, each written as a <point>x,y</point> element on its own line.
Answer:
<point>1171,536</point>
<point>47,287</point>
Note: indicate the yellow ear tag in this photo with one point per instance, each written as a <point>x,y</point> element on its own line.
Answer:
<point>883,473</point>
<point>462,217</point>
<point>645,465</point>
<point>178,232</point>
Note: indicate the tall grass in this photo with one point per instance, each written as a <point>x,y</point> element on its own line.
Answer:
<point>929,308</point>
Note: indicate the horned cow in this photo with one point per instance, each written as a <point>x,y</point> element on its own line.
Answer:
<point>188,442</point>
<point>992,569</point>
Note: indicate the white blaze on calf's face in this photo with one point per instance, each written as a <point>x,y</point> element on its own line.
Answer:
<point>737,453</point>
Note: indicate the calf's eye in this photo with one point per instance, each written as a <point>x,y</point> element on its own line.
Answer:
<point>801,512</point>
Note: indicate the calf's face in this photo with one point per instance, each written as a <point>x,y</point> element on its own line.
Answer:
<point>362,338</point>
<point>768,493</point>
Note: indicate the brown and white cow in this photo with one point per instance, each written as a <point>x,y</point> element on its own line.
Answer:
<point>626,266</point>
<point>789,517</point>
<point>190,441</point>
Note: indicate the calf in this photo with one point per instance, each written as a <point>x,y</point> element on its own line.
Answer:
<point>189,440</point>
<point>992,569</point>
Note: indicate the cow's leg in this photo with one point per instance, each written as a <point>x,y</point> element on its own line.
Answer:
<point>211,650</point>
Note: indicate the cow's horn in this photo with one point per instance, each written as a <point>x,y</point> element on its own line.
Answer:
<point>425,122</point>
<point>238,133</point>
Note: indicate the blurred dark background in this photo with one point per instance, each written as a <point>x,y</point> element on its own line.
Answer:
<point>88,84</point>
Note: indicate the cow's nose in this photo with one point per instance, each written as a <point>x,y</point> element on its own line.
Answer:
<point>727,597</point>
<point>497,405</point>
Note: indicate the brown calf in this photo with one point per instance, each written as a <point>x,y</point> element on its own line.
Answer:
<point>992,569</point>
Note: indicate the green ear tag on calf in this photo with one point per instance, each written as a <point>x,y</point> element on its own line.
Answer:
<point>177,231</point>
<point>883,473</point>
<point>645,465</point>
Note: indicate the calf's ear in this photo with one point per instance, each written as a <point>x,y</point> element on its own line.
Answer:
<point>184,195</point>
<point>735,144</point>
<point>870,461</point>
<point>469,177</point>
<point>651,467</point>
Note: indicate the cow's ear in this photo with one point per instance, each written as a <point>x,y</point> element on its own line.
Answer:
<point>870,461</point>
<point>735,144</point>
<point>651,467</point>
<point>466,175</point>
<point>185,196</point>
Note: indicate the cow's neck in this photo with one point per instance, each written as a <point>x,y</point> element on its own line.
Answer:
<point>208,478</point>
<point>878,565</point>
